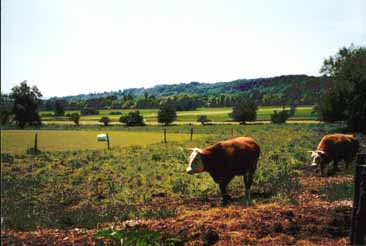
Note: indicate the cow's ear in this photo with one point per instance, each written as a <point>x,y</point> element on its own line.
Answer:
<point>191,149</point>
<point>320,151</point>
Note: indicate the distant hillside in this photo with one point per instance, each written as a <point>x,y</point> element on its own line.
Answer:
<point>300,88</point>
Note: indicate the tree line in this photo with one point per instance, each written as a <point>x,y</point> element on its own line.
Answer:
<point>344,100</point>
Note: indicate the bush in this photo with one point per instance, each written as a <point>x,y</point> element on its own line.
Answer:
<point>203,119</point>
<point>115,113</point>
<point>89,111</point>
<point>105,120</point>
<point>167,113</point>
<point>280,117</point>
<point>244,110</point>
<point>75,117</point>
<point>133,119</point>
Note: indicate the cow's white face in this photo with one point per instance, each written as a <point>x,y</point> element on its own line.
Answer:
<point>317,157</point>
<point>195,162</point>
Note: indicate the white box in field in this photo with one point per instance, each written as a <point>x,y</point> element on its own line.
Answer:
<point>102,137</point>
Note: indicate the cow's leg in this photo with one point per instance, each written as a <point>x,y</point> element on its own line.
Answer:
<point>322,169</point>
<point>223,184</point>
<point>335,166</point>
<point>248,180</point>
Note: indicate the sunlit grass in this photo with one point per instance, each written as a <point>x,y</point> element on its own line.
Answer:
<point>214,114</point>
<point>18,141</point>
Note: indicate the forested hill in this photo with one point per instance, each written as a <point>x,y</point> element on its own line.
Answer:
<point>301,89</point>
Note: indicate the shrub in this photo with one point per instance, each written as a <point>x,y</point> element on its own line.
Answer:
<point>115,113</point>
<point>281,116</point>
<point>167,113</point>
<point>203,119</point>
<point>105,120</point>
<point>89,111</point>
<point>75,117</point>
<point>133,119</point>
<point>244,110</point>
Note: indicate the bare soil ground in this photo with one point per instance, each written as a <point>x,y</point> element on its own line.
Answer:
<point>307,220</point>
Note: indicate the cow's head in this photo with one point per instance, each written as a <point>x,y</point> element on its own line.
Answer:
<point>195,162</point>
<point>317,157</point>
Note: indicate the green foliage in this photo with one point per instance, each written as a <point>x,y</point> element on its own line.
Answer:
<point>203,119</point>
<point>75,117</point>
<point>59,108</point>
<point>26,101</point>
<point>280,117</point>
<point>89,111</point>
<point>105,120</point>
<point>112,185</point>
<point>132,119</point>
<point>244,110</point>
<point>347,99</point>
<point>131,236</point>
<point>167,113</point>
<point>5,109</point>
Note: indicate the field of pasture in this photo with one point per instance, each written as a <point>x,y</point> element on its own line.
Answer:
<point>84,185</point>
<point>218,115</point>
<point>21,141</point>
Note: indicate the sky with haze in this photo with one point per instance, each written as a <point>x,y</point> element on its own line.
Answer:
<point>70,47</point>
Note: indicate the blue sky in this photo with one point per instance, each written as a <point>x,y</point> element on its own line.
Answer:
<point>68,47</point>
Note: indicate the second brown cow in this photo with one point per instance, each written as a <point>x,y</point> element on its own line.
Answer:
<point>334,147</point>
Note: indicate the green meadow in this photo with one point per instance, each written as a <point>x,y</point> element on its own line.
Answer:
<point>219,115</point>
<point>120,183</point>
<point>19,141</point>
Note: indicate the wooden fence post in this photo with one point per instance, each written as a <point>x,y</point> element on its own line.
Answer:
<point>358,224</point>
<point>164,135</point>
<point>35,149</point>
<point>108,141</point>
<point>191,134</point>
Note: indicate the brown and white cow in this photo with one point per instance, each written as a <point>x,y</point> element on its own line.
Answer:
<point>226,159</point>
<point>334,147</point>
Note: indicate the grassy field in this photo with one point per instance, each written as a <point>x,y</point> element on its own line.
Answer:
<point>75,186</point>
<point>214,114</point>
<point>19,141</point>
<point>112,185</point>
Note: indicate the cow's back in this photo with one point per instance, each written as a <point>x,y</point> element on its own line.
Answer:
<point>339,146</point>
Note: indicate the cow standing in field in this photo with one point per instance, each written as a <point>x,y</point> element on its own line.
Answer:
<point>226,159</point>
<point>335,147</point>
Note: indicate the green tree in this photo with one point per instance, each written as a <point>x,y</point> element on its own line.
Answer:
<point>59,108</point>
<point>347,99</point>
<point>167,113</point>
<point>6,105</point>
<point>279,117</point>
<point>244,110</point>
<point>132,119</point>
<point>75,117</point>
<point>203,119</point>
<point>105,120</point>
<point>26,101</point>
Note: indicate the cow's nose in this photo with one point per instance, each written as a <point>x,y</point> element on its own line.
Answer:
<point>189,171</point>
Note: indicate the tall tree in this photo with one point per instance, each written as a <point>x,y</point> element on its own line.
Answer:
<point>244,110</point>
<point>59,109</point>
<point>167,113</point>
<point>5,108</point>
<point>348,96</point>
<point>26,102</point>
